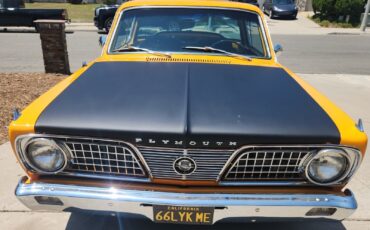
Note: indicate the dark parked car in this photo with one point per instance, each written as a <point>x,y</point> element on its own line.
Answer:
<point>280,8</point>
<point>13,13</point>
<point>104,16</point>
<point>11,3</point>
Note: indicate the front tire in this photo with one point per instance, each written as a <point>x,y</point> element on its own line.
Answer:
<point>108,24</point>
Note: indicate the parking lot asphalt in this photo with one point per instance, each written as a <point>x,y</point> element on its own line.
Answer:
<point>21,52</point>
<point>351,92</point>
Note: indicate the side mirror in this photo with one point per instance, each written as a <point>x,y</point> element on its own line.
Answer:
<point>102,40</point>
<point>278,48</point>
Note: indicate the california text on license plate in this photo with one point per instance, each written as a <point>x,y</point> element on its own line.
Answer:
<point>183,215</point>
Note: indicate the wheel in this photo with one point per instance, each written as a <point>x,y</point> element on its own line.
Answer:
<point>108,24</point>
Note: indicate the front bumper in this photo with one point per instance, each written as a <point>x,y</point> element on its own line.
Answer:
<point>259,206</point>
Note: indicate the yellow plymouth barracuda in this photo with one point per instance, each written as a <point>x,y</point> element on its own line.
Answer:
<point>187,117</point>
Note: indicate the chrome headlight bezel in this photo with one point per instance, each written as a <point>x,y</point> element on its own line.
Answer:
<point>352,156</point>
<point>22,145</point>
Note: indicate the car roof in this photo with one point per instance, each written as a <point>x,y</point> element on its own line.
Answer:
<point>191,3</point>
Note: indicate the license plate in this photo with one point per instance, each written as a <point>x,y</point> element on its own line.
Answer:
<point>183,215</point>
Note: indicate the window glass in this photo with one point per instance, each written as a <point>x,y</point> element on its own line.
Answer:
<point>283,2</point>
<point>173,29</point>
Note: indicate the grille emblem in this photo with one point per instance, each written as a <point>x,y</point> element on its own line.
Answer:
<point>184,165</point>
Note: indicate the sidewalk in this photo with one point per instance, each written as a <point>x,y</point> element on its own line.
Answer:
<point>13,215</point>
<point>305,26</point>
<point>81,27</point>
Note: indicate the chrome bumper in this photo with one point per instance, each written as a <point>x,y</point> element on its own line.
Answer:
<point>139,202</point>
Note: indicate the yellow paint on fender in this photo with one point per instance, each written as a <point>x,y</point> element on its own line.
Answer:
<point>25,124</point>
<point>349,134</point>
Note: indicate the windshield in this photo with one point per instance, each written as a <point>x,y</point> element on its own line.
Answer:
<point>284,2</point>
<point>174,29</point>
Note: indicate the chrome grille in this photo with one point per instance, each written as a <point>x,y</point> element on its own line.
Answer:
<point>267,164</point>
<point>209,162</point>
<point>104,158</point>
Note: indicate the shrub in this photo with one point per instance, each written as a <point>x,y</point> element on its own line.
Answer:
<point>325,23</point>
<point>353,8</point>
<point>332,9</point>
<point>324,7</point>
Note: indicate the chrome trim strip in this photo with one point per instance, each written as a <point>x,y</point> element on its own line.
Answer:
<point>139,202</point>
<point>264,183</point>
<point>148,148</point>
<point>264,29</point>
<point>106,177</point>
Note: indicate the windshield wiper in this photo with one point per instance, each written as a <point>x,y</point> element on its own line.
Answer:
<point>215,50</point>
<point>134,48</point>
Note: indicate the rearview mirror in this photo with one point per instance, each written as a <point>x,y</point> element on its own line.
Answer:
<point>102,40</point>
<point>278,48</point>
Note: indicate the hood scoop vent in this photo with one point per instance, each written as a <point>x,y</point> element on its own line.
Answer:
<point>192,60</point>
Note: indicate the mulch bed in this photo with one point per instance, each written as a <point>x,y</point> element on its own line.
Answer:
<point>17,90</point>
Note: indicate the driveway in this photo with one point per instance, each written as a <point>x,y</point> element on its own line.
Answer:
<point>351,92</point>
<point>305,26</point>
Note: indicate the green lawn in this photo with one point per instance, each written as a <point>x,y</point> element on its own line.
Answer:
<point>77,13</point>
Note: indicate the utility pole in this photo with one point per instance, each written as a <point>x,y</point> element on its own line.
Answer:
<point>364,20</point>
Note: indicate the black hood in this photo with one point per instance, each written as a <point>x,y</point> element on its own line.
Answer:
<point>188,102</point>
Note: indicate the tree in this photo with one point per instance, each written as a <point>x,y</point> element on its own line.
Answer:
<point>332,9</point>
<point>353,8</point>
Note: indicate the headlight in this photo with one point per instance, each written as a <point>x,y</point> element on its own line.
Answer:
<point>44,155</point>
<point>328,166</point>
